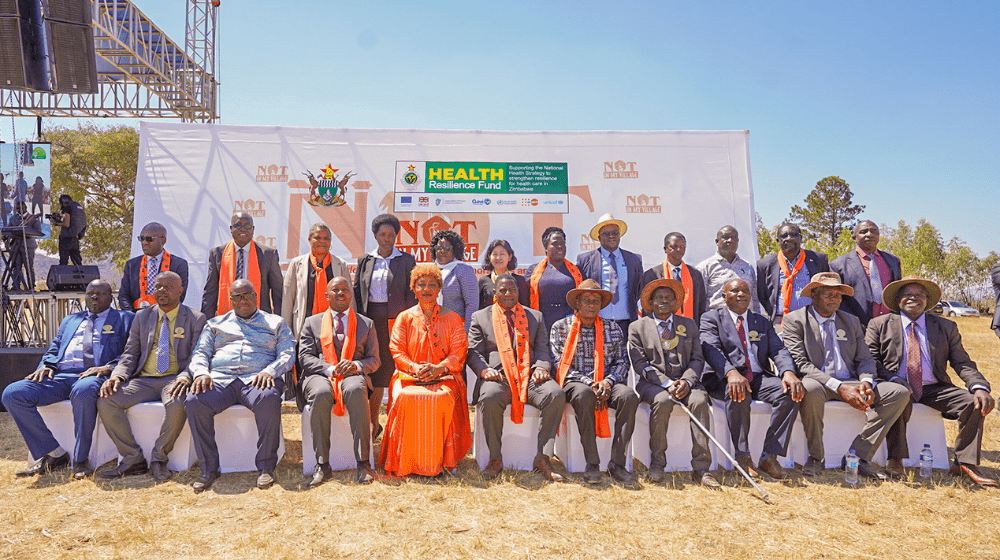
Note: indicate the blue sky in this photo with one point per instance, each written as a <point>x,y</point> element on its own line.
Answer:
<point>897,98</point>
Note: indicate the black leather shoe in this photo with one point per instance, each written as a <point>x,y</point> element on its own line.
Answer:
<point>81,470</point>
<point>867,470</point>
<point>619,473</point>
<point>204,482</point>
<point>655,475</point>
<point>592,475</point>
<point>706,479</point>
<point>46,465</point>
<point>813,467</point>
<point>320,475</point>
<point>123,470</point>
<point>265,480</point>
<point>160,471</point>
<point>365,475</point>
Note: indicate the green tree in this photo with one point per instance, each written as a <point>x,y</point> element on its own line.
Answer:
<point>766,238</point>
<point>829,210</point>
<point>97,167</point>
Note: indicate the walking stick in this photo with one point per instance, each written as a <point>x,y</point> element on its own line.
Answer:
<point>718,445</point>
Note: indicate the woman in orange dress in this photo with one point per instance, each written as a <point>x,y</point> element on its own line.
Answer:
<point>428,425</point>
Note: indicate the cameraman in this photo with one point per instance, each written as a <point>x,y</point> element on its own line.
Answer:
<point>73,223</point>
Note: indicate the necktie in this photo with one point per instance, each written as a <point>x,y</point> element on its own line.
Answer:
<point>340,324</point>
<point>875,279</point>
<point>163,347</point>
<point>240,259</point>
<point>665,330</point>
<point>613,277</point>
<point>914,373</point>
<point>88,341</point>
<point>510,328</point>
<point>677,273</point>
<point>746,351</point>
<point>830,361</point>
<point>151,274</point>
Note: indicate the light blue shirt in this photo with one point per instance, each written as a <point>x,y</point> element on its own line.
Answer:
<point>615,311</point>
<point>233,348</point>
<point>73,358</point>
<point>799,283</point>
<point>842,373</point>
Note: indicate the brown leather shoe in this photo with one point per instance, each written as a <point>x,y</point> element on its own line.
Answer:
<point>493,469</point>
<point>772,468</point>
<point>813,467</point>
<point>365,474</point>
<point>894,468</point>
<point>972,473</point>
<point>545,467</point>
<point>747,463</point>
<point>705,479</point>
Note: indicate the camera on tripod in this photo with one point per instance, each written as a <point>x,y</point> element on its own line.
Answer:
<point>55,217</point>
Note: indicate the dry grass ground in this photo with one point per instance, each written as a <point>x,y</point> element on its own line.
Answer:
<point>522,516</point>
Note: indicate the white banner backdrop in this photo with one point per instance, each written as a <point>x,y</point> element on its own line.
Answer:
<point>192,177</point>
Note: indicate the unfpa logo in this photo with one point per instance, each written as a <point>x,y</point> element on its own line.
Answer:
<point>272,173</point>
<point>620,170</point>
<point>253,207</point>
<point>642,204</point>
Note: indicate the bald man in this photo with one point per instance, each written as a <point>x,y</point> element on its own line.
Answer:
<point>136,290</point>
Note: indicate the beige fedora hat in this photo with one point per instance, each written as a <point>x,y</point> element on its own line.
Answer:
<point>890,300</point>
<point>588,286</point>
<point>605,220</point>
<point>827,280</point>
<point>647,293</point>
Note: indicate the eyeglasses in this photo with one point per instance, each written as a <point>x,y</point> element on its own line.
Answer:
<point>246,296</point>
<point>148,238</point>
<point>444,248</point>
<point>241,226</point>
<point>792,234</point>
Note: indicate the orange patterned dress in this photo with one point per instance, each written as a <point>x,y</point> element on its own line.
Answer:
<point>428,425</point>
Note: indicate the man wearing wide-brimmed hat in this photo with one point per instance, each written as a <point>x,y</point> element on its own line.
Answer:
<point>666,355</point>
<point>828,347</point>
<point>592,368</point>
<point>914,348</point>
<point>616,270</point>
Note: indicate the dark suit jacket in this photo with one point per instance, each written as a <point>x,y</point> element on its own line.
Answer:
<point>724,351</point>
<point>768,273</point>
<point>270,280</point>
<point>129,290</point>
<point>698,287</point>
<point>483,344</point>
<point>401,297</point>
<point>143,338</point>
<point>885,340</point>
<point>649,360</point>
<point>804,341</point>
<point>311,348</point>
<point>995,276</point>
<point>852,273</point>
<point>589,264</point>
<point>112,340</point>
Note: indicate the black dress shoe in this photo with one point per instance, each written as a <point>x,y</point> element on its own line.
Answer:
<point>619,473</point>
<point>46,465</point>
<point>592,474</point>
<point>867,469</point>
<point>320,475</point>
<point>123,470</point>
<point>160,471</point>
<point>365,475</point>
<point>655,475</point>
<point>204,482</point>
<point>81,470</point>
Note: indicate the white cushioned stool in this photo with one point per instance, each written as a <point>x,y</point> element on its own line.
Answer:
<point>570,450</point>
<point>760,420</point>
<point>58,419</point>
<point>341,444</point>
<point>146,420</point>
<point>926,425</point>
<point>678,439</point>
<point>236,437</point>
<point>519,442</point>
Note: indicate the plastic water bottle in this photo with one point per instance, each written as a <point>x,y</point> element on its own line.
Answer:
<point>851,470</point>
<point>926,461</point>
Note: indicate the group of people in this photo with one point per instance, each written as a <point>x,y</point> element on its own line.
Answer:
<point>794,331</point>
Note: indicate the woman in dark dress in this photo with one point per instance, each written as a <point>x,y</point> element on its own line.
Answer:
<point>498,259</point>
<point>550,280</point>
<point>381,292</point>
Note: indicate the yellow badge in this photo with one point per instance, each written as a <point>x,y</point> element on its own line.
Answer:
<point>754,336</point>
<point>671,343</point>
<point>681,330</point>
<point>841,335</point>
<point>178,332</point>
<point>108,329</point>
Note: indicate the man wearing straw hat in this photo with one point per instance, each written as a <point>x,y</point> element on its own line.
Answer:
<point>666,354</point>
<point>593,371</point>
<point>616,270</point>
<point>914,348</point>
<point>828,347</point>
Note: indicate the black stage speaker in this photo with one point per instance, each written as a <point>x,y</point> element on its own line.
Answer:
<point>22,56</point>
<point>71,278</point>
<point>16,364</point>
<point>70,42</point>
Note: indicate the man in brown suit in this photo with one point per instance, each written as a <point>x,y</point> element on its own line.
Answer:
<point>914,349</point>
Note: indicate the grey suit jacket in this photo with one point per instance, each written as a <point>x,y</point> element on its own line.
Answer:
<point>804,340</point>
<point>852,273</point>
<point>294,293</point>
<point>649,360</point>
<point>311,348</point>
<point>885,340</point>
<point>270,280</point>
<point>143,338</point>
<point>483,344</point>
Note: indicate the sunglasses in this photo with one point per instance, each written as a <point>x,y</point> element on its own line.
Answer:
<point>248,296</point>
<point>148,238</point>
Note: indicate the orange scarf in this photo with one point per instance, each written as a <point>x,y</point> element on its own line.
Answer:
<point>227,274</point>
<point>143,285</point>
<point>320,304</point>
<point>687,310</point>
<point>786,287</point>
<point>330,351</point>
<point>600,413</point>
<point>536,276</point>
<point>517,371</point>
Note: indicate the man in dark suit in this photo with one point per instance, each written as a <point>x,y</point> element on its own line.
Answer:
<point>515,357</point>
<point>324,343</point>
<point>233,261</point>
<point>666,356</point>
<point>855,268</point>
<point>782,276</point>
<point>616,270</point>
<point>136,289</point>
<point>828,347</point>
<point>995,277</point>
<point>914,349</point>
<point>739,346</point>
<point>159,347</point>
<point>695,301</point>
<point>86,347</point>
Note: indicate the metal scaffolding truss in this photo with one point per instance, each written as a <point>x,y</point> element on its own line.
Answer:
<point>141,73</point>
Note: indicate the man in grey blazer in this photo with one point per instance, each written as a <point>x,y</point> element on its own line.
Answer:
<point>666,356</point>
<point>268,270</point>
<point>828,347</point>
<point>159,347</point>
<point>855,268</point>
<point>773,282</point>
<point>300,292</point>
<point>494,384</point>
<point>322,344</point>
